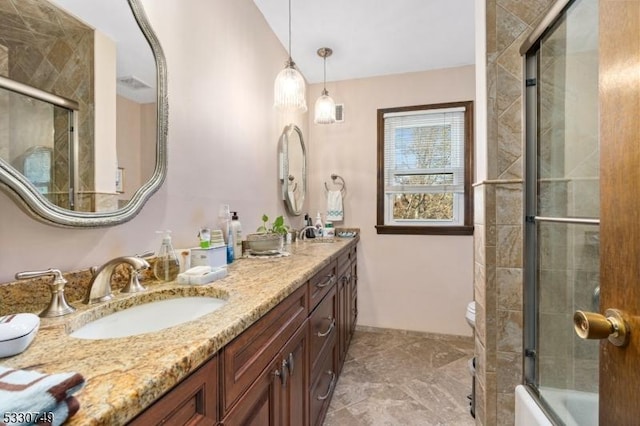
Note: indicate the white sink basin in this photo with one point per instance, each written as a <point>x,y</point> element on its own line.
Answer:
<point>149,317</point>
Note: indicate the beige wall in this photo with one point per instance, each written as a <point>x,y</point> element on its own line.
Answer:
<point>414,282</point>
<point>222,59</point>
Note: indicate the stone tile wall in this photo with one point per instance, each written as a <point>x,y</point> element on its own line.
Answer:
<point>498,279</point>
<point>49,49</point>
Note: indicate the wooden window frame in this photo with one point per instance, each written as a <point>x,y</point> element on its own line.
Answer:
<point>467,227</point>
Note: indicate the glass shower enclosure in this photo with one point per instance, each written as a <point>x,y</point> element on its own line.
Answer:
<point>562,213</point>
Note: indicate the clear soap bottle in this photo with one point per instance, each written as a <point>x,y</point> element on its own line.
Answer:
<point>167,265</point>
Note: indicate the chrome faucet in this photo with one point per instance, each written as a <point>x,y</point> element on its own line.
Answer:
<point>303,231</point>
<point>58,305</point>
<point>100,285</point>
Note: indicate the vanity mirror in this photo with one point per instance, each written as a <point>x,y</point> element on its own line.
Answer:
<point>293,169</point>
<point>83,109</point>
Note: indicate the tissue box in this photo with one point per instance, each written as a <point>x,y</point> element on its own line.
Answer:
<point>215,257</point>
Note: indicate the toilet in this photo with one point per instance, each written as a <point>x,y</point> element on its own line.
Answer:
<point>470,316</point>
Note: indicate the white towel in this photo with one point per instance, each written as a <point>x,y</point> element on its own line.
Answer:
<point>335,212</point>
<point>293,199</point>
<point>50,395</point>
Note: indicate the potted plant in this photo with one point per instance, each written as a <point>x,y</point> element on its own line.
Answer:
<point>269,238</point>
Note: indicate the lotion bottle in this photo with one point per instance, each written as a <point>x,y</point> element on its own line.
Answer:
<point>236,234</point>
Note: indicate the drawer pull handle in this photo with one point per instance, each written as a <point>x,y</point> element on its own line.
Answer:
<point>331,326</point>
<point>290,363</point>
<point>331,385</point>
<point>282,373</point>
<point>330,280</point>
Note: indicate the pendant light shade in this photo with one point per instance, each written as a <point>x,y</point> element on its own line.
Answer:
<point>289,88</point>
<point>325,108</point>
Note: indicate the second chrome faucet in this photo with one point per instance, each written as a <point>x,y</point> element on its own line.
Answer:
<point>100,285</point>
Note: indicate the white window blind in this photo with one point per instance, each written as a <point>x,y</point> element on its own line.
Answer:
<point>424,162</point>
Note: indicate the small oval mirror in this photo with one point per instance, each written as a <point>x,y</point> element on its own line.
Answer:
<point>293,169</point>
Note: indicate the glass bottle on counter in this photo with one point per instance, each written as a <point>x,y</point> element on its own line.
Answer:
<point>167,265</point>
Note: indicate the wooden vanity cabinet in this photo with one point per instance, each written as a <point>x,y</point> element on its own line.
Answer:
<point>194,401</point>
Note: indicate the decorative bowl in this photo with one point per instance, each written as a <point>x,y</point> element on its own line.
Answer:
<point>265,243</point>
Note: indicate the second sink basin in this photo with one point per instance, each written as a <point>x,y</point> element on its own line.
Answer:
<point>149,317</point>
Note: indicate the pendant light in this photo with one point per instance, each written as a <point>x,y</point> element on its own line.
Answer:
<point>289,88</point>
<point>325,106</point>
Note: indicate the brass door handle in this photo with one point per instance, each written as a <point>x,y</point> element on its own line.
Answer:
<point>611,325</point>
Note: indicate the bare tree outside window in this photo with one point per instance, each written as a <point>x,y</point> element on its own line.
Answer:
<point>424,168</point>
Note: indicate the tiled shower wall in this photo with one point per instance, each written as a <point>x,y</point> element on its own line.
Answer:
<point>48,49</point>
<point>499,219</point>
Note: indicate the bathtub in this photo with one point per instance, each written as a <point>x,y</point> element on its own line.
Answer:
<point>574,408</point>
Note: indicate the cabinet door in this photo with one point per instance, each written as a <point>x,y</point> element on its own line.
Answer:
<point>295,407</point>
<point>261,404</point>
<point>353,295</point>
<point>248,354</point>
<point>344,315</point>
<point>192,402</point>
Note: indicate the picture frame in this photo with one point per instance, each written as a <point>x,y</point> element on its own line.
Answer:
<point>120,180</point>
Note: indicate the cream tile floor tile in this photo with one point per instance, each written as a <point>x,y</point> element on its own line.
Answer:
<point>396,378</point>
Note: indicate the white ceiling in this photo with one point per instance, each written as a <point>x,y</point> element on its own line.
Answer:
<point>374,37</point>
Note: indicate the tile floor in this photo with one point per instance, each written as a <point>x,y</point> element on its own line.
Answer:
<point>397,378</point>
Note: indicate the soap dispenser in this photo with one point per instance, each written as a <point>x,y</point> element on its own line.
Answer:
<point>318,225</point>
<point>167,265</point>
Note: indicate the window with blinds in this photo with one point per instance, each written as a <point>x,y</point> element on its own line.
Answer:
<point>424,169</point>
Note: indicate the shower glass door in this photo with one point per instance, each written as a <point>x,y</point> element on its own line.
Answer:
<point>562,209</point>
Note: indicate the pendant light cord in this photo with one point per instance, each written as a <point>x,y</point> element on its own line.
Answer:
<point>290,60</point>
<point>324,79</point>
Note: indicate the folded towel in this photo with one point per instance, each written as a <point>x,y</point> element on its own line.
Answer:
<point>29,397</point>
<point>334,206</point>
<point>293,200</point>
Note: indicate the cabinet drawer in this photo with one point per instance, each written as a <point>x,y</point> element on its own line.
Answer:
<point>248,354</point>
<point>323,326</point>
<point>321,283</point>
<point>192,401</point>
<point>323,382</point>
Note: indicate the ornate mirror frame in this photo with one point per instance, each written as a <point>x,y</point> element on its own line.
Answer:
<point>286,178</point>
<point>38,207</point>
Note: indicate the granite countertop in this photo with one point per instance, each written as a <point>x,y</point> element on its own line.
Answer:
<point>125,375</point>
